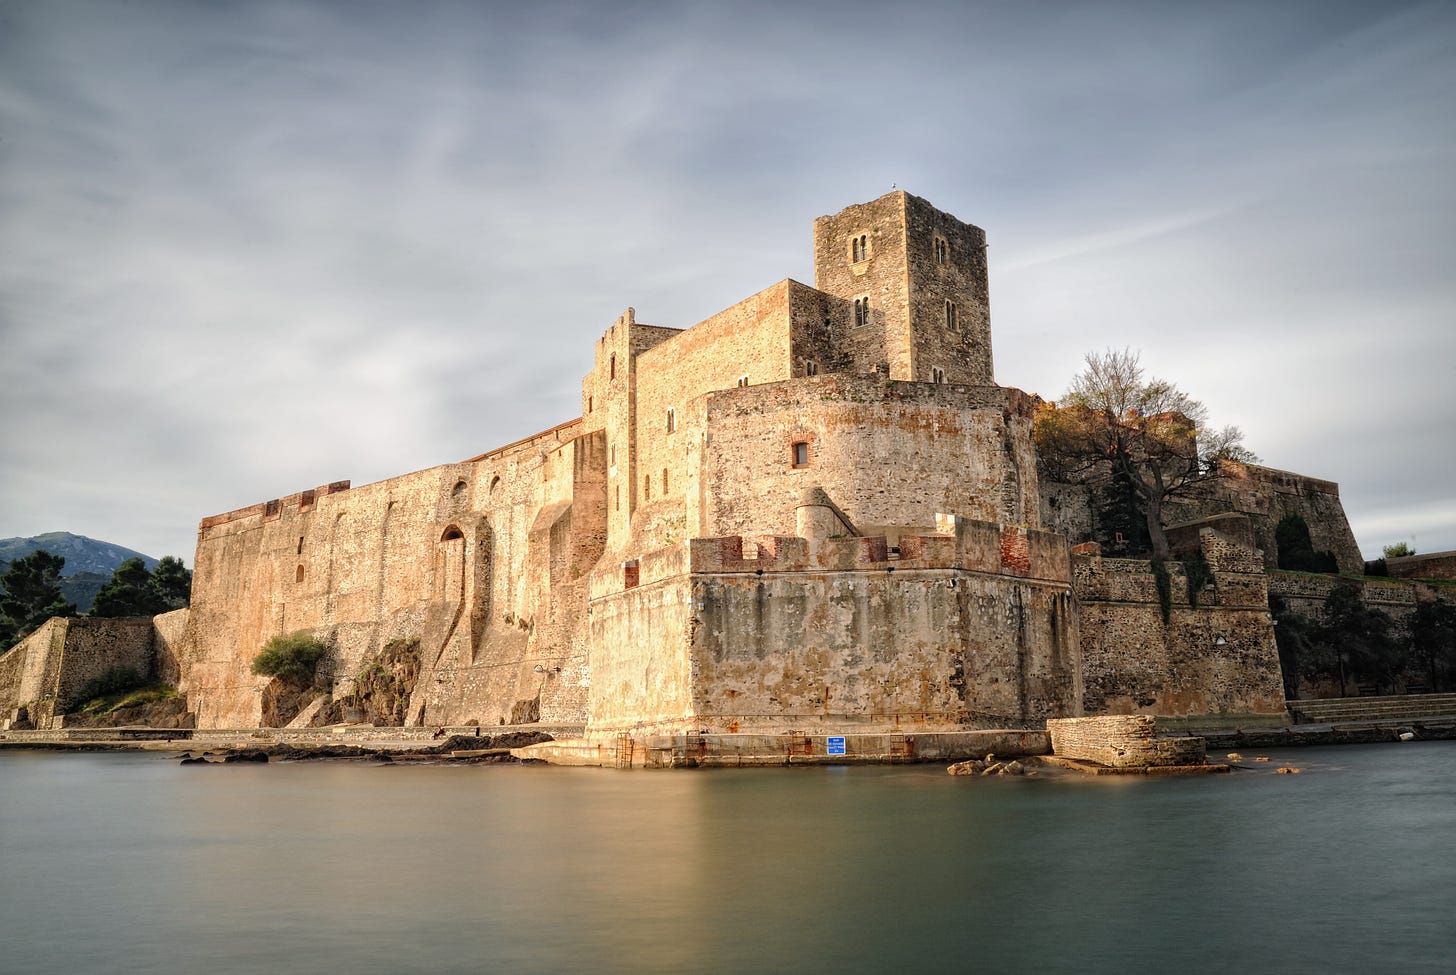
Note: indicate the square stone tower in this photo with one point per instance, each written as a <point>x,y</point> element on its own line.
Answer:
<point>917,273</point>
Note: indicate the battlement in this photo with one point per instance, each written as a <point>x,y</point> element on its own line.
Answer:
<point>272,510</point>
<point>964,545</point>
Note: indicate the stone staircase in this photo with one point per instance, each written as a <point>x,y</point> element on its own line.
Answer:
<point>1343,710</point>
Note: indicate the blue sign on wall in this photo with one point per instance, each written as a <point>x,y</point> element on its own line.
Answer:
<point>836,745</point>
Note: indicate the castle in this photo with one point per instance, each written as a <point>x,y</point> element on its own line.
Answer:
<point>812,510</point>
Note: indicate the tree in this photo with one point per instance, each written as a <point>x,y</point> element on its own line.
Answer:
<point>126,594</point>
<point>32,595</point>
<point>170,585</point>
<point>1294,638</point>
<point>1113,421</point>
<point>1433,639</point>
<point>292,658</point>
<point>1353,640</point>
<point>1397,551</point>
<point>133,591</point>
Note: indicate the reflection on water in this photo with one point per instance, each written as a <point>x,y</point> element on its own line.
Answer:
<point>131,863</point>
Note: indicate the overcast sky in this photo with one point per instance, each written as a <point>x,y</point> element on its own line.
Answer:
<point>249,248</point>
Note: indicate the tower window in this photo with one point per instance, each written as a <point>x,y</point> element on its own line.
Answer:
<point>799,453</point>
<point>859,248</point>
<point>952,316</point>
<point>811,368</point>
<point>664,480</point>
<point>861,311</point>
<point>743,380</point>
<point>646,487</point>
<point>588,404</point>
<point>612,367</point>
<point>942,251</point>
<point>672,421</point>
<point>937,374</point>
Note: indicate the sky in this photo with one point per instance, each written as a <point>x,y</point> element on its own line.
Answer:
<point>250,248</point>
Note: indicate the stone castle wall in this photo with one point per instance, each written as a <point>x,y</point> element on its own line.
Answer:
<point>974,627</point>
<point>1216,658</point>
<point>47,671</point>
<point>460,558</point>
<point>1122,741</point>
<point>1261,494</point>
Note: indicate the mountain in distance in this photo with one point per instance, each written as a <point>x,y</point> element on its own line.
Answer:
<point>89,563</point>
<point>82,554</point>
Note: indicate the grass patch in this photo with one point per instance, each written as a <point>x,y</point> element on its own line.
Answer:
<point>127,698</point>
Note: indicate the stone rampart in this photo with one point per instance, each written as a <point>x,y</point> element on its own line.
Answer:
<point>1122,741</point>
<point>46,672</point>
<point>1434,565</point>
<point>1215,657</point>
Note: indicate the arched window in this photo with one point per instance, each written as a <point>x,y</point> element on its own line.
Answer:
<point>494,483</point>
<point>861,311</point>
<point>942,251</point>
<point>458,489</point>
<point>952,316</point>
<point>451,534</point>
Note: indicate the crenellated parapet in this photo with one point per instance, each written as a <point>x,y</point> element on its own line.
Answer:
<point>273,510</point>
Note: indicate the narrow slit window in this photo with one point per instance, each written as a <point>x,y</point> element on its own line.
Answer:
<point>937,374</point>
<point>743,380</point>
<point>612,367</point>
<point>952,316</point>
<point>646,487</point>
<point>672,421</point>
<point>811,368</point>
<point>942,251</point>
<point>664,480</point>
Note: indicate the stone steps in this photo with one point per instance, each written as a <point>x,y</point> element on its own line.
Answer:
<point>1338,710</point>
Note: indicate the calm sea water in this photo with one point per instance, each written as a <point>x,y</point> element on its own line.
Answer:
<point>132,863</point>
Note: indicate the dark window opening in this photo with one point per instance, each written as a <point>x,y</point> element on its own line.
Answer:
<point>451,534</point>
<point>952,316</point>
<point>800,453</point>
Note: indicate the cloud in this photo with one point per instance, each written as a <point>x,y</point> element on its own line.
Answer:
<point>252,248</point>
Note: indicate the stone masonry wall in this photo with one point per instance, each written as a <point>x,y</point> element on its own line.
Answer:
<point>835,631</point>
<point>458,557</point>
<point>1216,658</point>
<point>1122,742</point>
<point>890,455</point>
<point>46,671</point>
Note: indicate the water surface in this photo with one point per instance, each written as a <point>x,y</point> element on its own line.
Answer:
<point>132,863</point>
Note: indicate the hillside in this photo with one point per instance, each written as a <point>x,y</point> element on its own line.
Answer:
<point>82,554</point>
<point>89,563</point>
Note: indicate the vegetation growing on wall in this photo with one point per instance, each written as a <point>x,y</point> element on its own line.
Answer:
<point>1114,421</point>
<point>381,690</point>
<point>1296,550</point>
<point>292,658</point>
<point>1199,575</point>
<point>1165,588</point>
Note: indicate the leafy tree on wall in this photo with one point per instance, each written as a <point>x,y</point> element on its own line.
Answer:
<point>1397,551</point>
<point>1296,550</point>
<point>1115,421</point>
<point>32,595</point>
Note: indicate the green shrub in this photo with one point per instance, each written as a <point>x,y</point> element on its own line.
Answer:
<point>293,658</point>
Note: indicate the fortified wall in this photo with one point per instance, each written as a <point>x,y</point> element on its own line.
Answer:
<point>1198,647</point>
<point>42,677</point>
